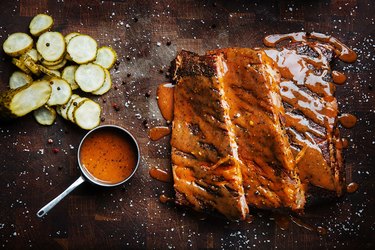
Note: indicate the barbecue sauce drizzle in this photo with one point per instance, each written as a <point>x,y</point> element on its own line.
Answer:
<point>283,222</point>
<point>296,70</point>
<point>343,52</point>
<point>159,132</point>
<point>307,87</point>
<point>160,174</point>
<point>164,95</point>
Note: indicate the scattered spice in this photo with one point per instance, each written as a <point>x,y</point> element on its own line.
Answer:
<point>102,119</point>
<point>115,106</point>
<point>321,230</point>
<point>169,43</point>
<point>50,141</point>
<point>148,94</point>
<point>117,63</point>
<point>161,71</point>
<point>145,123</point>
<point>55,150</point>
<point>128,75</point>
<point>213,26</point>
<point>104,100</point>
<point>128,58</point>
<point>135,19</point>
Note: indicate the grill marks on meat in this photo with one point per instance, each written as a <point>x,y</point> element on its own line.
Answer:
<point>237,111</point>
<point>242,137</point>
<point>210,179</point>
<point>251,87</point>
<point>311,111</point>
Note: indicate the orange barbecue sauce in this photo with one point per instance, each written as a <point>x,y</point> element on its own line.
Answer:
<point>158,132</point>
<point>165,100</point>
<point>108,156</point>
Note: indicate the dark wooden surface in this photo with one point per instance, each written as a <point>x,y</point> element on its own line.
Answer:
<point>131,216</point>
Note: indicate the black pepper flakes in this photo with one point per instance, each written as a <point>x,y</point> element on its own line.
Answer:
<point>145,123</point>
<point>116,107</point>
<point>370,87</point>
<point>104,100</point>
<point>117,64</point>
<point>102,119</point>
<point>135,19</point>
<point>169,43</point>
<point>128,58</point>
<point>161,71</point>
<point>128,74</point>
<point>115,87</point>
<point>213,26</point>
<point>148,94</point>
<point>168,74</point>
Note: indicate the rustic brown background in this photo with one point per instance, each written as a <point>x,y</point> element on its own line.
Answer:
<point>131,216</point>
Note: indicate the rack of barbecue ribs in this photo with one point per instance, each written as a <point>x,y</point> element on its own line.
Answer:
<point>255,127</point>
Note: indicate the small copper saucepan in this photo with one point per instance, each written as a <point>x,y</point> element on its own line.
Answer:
<point>87,175</point>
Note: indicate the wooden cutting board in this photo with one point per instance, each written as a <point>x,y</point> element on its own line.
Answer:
<point>146,36</point>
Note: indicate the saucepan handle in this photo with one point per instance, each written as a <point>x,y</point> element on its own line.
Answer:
<point>53,202</point>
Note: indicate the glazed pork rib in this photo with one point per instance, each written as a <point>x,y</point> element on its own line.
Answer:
<point>228,141</point>
<point>311,112</point>
<point>251,88</point>
<point>206,170</point>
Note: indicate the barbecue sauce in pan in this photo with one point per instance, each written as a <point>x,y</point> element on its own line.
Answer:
<point>109,156</point>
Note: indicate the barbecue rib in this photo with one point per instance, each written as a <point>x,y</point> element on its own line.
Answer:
<point>206,171</point>
<point>228,109</point>
<point>251,86</point>
<point>311,111</point>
